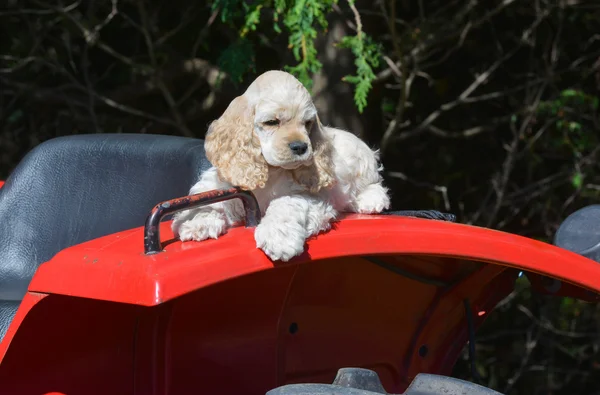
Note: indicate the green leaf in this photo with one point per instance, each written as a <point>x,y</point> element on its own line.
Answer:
<point>388,106</point>
<point>570,93</point>
<point>252,20</point>
<point>577,180</point>
<point>574,126</point>
<point>567,302</point>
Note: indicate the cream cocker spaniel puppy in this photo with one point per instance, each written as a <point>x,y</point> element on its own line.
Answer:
<point>270,141</point>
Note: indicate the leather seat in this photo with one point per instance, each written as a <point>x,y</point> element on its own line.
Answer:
<point>73,189</point>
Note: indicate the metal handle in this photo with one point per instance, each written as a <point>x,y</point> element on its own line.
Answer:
<point>152,243</point>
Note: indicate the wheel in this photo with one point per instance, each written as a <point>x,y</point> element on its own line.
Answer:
<point>355,381</point>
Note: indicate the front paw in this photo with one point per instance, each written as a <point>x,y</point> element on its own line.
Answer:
<point>202,226</point>
<point>373,200</point>
<point>278,241</point>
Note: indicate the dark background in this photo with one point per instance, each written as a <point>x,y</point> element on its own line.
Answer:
<point>487,109</point>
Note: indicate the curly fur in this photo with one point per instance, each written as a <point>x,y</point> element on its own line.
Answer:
<point>300,191</point>
<point>233,148</point>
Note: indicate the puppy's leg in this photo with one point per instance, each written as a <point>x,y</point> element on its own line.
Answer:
<point>358,171</point>
<point>373,199</point>
<point>364,185</point>
<point>288,222</point>
<point>209,221</point>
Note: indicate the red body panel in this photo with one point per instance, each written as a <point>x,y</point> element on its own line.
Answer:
<point>114,268</point>
<point>218,317</point>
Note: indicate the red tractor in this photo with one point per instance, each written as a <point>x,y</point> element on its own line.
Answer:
<point>97,297</point>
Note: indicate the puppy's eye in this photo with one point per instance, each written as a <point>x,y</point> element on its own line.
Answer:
<point>271,122</point>
<point>308,124</point>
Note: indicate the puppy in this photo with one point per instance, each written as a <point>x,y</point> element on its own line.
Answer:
<point>270,141</point>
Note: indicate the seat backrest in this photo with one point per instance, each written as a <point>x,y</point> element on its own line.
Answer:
<point>73,189</point>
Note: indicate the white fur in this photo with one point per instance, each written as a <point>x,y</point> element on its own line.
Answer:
<point>290,213</point>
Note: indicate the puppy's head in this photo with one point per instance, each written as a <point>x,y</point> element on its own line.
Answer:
<point>274,123</point>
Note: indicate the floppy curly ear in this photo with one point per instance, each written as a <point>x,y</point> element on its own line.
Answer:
<point>233,148</point>
<point>320,174</point>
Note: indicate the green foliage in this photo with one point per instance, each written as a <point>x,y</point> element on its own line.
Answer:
<point>569,98</point>
<point>577,180</point>
<point>302,20</point>
<point>573,134</point>
<point>252,18</point>
<point>229,9</point>
<point>367,54</point>
<point>237,60</point>
<point>569,112</point>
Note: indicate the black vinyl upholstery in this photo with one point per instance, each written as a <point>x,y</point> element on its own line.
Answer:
<point>8,309</point>
<point>73,189</point>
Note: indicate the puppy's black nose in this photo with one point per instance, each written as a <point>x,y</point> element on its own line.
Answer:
<point>298,147</point>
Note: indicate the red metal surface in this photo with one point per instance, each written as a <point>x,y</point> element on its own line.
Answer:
<point>297,323</point>
<point>29,301</point>
<point>219,317</point>
<point>114,267</point>
<point>71,346</point>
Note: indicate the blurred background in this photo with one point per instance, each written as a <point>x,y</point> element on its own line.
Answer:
<point>484,108</point>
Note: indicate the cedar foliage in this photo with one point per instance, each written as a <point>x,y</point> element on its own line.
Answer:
<point>303,20</point>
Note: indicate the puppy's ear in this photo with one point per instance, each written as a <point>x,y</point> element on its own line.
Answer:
<point>233,148</point>
<point>320,174</point>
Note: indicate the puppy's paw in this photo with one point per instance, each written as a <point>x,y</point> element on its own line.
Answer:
<point>374,199</point>
<point>202,226</point>
<point>278,242</point>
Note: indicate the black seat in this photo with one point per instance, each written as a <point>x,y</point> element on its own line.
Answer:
<point>73,189</point>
